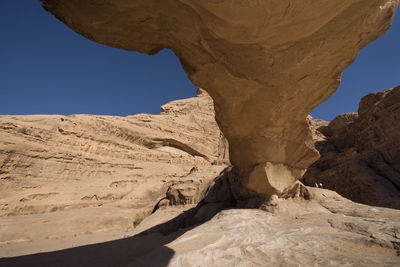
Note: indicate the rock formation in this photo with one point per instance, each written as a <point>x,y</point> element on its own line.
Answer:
<point>69,181</point>
<point>360,152</point>
<point>266,64</point>
<point>86,173</point>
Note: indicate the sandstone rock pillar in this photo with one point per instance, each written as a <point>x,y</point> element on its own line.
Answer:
<point>266,64</point>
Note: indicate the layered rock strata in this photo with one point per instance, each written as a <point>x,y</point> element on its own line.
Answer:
<point>360,152</point>
<point>266,64</point>
<point>67,175</point>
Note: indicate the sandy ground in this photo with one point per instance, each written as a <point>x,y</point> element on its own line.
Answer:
<point>325,231</point>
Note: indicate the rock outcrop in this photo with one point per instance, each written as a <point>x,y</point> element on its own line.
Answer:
<point>266,64</point>
<point>360,152</point>
<point>86,173</point>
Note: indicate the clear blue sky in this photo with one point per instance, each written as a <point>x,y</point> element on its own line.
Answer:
<point>46,68</point>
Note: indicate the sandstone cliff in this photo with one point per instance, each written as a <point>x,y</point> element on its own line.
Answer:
<point>70,181</point>
<point>86,173</point>
<point>360,152</point>
<point>266,64</point>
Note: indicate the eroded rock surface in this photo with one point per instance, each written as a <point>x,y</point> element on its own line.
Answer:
<point>266,64</point>
<point>360,152</point>
<point>71,175</point>
<point>303,233</point>
<point>327,230</point>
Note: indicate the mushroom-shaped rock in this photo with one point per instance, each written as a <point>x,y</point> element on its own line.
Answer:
<point>266,64</point>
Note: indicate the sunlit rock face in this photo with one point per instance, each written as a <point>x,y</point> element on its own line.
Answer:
<point>91,173</point>
<point>266,64</point>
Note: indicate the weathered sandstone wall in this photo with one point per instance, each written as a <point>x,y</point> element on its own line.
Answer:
<point>67,175</point>
<point>360,152</point>
<point>266,64</point>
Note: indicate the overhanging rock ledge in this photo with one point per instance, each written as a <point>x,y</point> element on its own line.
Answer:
<point>266,64</point>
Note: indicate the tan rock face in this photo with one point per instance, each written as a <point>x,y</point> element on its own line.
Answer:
<point>266,64</point>
<point>360,152</point>
<point>103,172</point>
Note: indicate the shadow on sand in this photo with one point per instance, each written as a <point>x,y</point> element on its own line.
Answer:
<point>147,248</point>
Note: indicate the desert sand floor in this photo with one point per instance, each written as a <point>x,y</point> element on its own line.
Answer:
<point>326,231</point>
